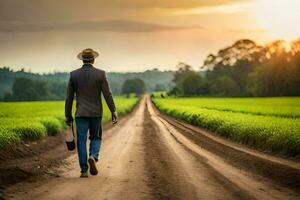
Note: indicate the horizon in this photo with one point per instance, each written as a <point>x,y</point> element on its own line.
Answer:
<point>54,72</point>
<point>137,35</point>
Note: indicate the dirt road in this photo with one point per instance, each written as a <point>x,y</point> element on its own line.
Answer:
<point>150,156</point>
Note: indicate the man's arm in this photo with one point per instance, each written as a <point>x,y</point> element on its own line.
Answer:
<point>69,102</point>
<point>109,99</point>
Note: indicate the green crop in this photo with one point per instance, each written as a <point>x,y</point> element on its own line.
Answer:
<point>267,123</point>
<point>21,121</point>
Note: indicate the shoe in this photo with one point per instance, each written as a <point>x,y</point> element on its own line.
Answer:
<point>93,167</point>
<point>84,175</point>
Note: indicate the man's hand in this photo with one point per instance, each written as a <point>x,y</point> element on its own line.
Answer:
<point>114,117</point>
<point>69,121</point>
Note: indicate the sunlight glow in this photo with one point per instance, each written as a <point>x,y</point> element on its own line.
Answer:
<point>280,17</point>
<point>233,8</point>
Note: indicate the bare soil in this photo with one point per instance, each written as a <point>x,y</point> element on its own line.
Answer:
<point>32,161</point>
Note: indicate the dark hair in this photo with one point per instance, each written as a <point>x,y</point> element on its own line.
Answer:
<point>88,61</point>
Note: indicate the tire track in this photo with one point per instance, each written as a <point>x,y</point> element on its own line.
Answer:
<point>164,177</point>
<point>206,183</point>
<point>244,182</point>
<point>285,174</point>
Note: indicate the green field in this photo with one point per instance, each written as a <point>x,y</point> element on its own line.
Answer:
<point>33,120</point>
<point>267,123</point>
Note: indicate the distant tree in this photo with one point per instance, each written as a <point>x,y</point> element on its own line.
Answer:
<point>42,90</point>
<point>250,69</point>
<point>23,90</point>
<point>6,80</point>
<point>224,86</point>
<point>159,87</point>
<point>7,97</point>
<point>192,84</point>
<point>136,86</point>
<point>150,78</point>
<point>27,90</point>
<point>181,75</point>
<point>188,82</point>
<point>174,91</point>
<point>58,90</point>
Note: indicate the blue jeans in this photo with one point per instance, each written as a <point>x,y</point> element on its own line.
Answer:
<point>83,124</point>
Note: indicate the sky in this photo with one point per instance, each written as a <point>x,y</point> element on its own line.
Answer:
<point>135,35</point>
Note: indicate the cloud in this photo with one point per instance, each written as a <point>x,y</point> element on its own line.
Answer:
<point>104,25</point>
<point>230,8</point>
<point>174,3</point>
<point>239,31</point>
<point>45,10</point>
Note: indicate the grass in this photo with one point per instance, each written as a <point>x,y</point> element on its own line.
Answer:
<point>159,93</point>
<point>267,123</point>
<point>34,120</point>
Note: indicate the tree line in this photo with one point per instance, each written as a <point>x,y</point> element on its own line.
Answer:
<point>27,86</point>
<point>244,69</point>
<point>25,89</point>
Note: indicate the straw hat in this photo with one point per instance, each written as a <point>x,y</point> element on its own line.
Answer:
<point>87,54</point>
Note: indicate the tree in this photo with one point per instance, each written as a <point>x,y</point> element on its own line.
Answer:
<point>136,86</point>
<point>57,90</point>
<point>42,90</point>
<point>224,86</point>
<point>159,87</point>
<point>29,90</point>
<point>188,82</point>
<point>23,90</point>
<point>192,85</point>
<point>182,74</point>
<point>250,69</point>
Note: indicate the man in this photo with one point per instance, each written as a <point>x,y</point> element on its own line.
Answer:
<point>88,83</point>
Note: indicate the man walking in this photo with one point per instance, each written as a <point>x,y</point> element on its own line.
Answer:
<point>87,83</point>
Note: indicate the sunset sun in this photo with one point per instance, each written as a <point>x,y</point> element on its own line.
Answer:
<point>280,18</point>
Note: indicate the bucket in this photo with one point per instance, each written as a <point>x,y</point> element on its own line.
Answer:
<point>70,135</point>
